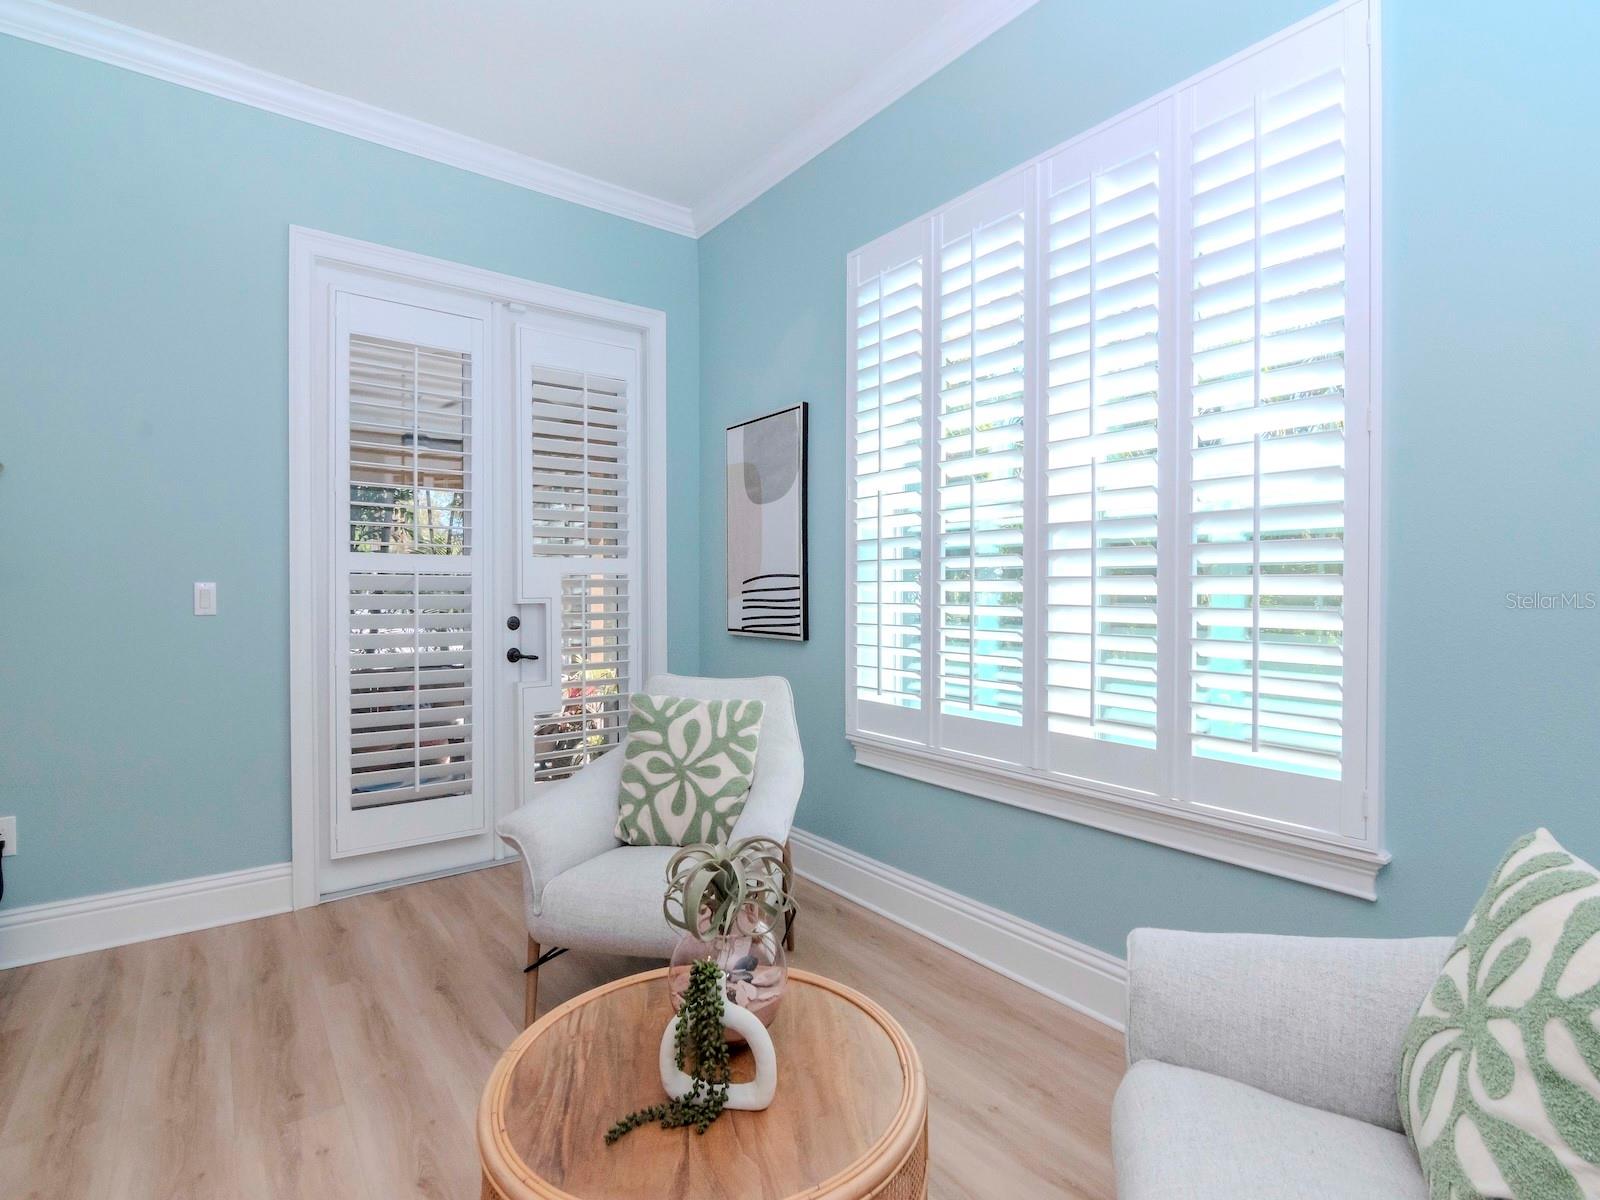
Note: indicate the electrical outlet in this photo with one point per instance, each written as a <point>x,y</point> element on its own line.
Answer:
<point>8,834</point>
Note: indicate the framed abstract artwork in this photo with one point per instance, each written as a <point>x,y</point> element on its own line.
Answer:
<point>767,526</point>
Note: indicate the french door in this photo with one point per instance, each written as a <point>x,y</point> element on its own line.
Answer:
<point>470,600</point>
<point>578,554</point>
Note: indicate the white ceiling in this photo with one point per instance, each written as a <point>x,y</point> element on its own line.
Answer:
<point>699,103</point>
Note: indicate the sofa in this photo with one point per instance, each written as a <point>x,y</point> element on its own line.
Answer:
<point>1266,1068</point>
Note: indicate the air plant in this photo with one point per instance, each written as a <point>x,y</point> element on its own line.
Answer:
<point>718,890</point>
<point>736,894</point>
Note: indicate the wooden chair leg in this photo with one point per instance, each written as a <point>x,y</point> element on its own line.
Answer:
<point>530,985</point>
<point>788,880</point>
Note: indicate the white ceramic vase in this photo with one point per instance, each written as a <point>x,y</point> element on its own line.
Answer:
<point>748,1097</point>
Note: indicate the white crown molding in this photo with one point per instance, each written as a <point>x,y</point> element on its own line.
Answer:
<point>936,49</point>
<point>1081,977</point>
<point>161,58</point>
<point>63,927</point>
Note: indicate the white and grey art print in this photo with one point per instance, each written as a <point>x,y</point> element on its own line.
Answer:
<point>767,526</point>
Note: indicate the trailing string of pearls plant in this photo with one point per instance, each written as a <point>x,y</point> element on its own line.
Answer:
<point>717,895</point>
<point>698,1037</point>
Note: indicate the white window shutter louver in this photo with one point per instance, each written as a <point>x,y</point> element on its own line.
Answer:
<point>1111,456</point>
<point>978,338</point>
<point>1102,424</point>
<point>1270,302</point>
<point>888,306</point>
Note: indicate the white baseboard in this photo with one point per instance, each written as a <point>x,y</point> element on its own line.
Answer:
<point>1081,977</point>
<point>64,927</point>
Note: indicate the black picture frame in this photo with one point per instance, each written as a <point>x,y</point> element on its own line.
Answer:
<point>776,629</point>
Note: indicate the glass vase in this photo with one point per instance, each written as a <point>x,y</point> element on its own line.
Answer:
<point>755,970</point>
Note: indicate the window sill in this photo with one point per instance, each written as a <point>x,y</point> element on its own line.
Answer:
<point>1351,870</point>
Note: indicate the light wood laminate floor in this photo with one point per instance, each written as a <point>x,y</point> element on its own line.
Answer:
<point>339,1052</point>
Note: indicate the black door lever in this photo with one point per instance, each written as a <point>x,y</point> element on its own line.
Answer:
<point>514,655</point>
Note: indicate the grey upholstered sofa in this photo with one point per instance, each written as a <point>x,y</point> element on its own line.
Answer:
<point>1265,1068</point>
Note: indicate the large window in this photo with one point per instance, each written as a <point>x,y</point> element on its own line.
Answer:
<point>1112,530</point>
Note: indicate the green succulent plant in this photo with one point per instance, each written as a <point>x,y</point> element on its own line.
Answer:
<point>702,1053</point>
<point>719,890</point>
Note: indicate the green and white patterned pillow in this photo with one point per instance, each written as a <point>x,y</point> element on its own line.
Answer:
<point>686,770</point>
<point>1500,1074</point>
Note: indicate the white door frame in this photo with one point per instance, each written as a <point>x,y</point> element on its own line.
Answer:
<point>310,724</point>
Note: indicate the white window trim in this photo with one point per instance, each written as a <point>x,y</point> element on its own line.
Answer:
<point>310,725</point>
<point>1343,866</point>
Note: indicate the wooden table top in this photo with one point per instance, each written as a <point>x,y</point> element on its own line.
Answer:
<point>850,1111</point>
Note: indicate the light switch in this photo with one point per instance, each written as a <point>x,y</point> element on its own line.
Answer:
<point>205,599</point>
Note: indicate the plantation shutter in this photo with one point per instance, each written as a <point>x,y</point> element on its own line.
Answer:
<point>579,450</point>
<point>409,390</point>
<point>1111,465</point>
<point>578,423</point>
<point>410,412</point>
<point>888,306</point>
<point>979,345</point>
<point>596,626</point>
<point>1103,329</point>
<point>410,687</point>
<point>1270,296</point>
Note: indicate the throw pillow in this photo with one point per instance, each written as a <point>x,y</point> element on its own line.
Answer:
<point>1500,1073</point>
<point>686,771</point>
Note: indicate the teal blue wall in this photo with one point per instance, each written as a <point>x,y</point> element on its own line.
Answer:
<point>143,325</point>
<point>143,233</point>
<point>1493,435</point>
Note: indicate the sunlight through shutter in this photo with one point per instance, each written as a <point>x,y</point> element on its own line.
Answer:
<point>1114,509</point>
<point>1268,450</point>
<point>1103,328</point>
<point>410,408</point>
<point>887,378</point>
<point>595,650</point>
<point>980,457</point>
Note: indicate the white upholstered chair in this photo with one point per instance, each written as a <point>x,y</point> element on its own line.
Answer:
<point>583,889</point>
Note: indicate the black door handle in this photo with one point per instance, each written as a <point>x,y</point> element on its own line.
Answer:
<point>514,655</point>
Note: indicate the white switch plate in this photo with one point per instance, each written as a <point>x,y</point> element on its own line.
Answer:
<point>8,834</point>
<point>205,599</point>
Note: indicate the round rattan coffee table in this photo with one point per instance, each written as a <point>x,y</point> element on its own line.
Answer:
<point>850,1120</point>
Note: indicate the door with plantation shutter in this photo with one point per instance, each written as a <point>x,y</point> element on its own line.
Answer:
<point>409,392</point>
<point>476,581</point>
<point>579,558</point>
